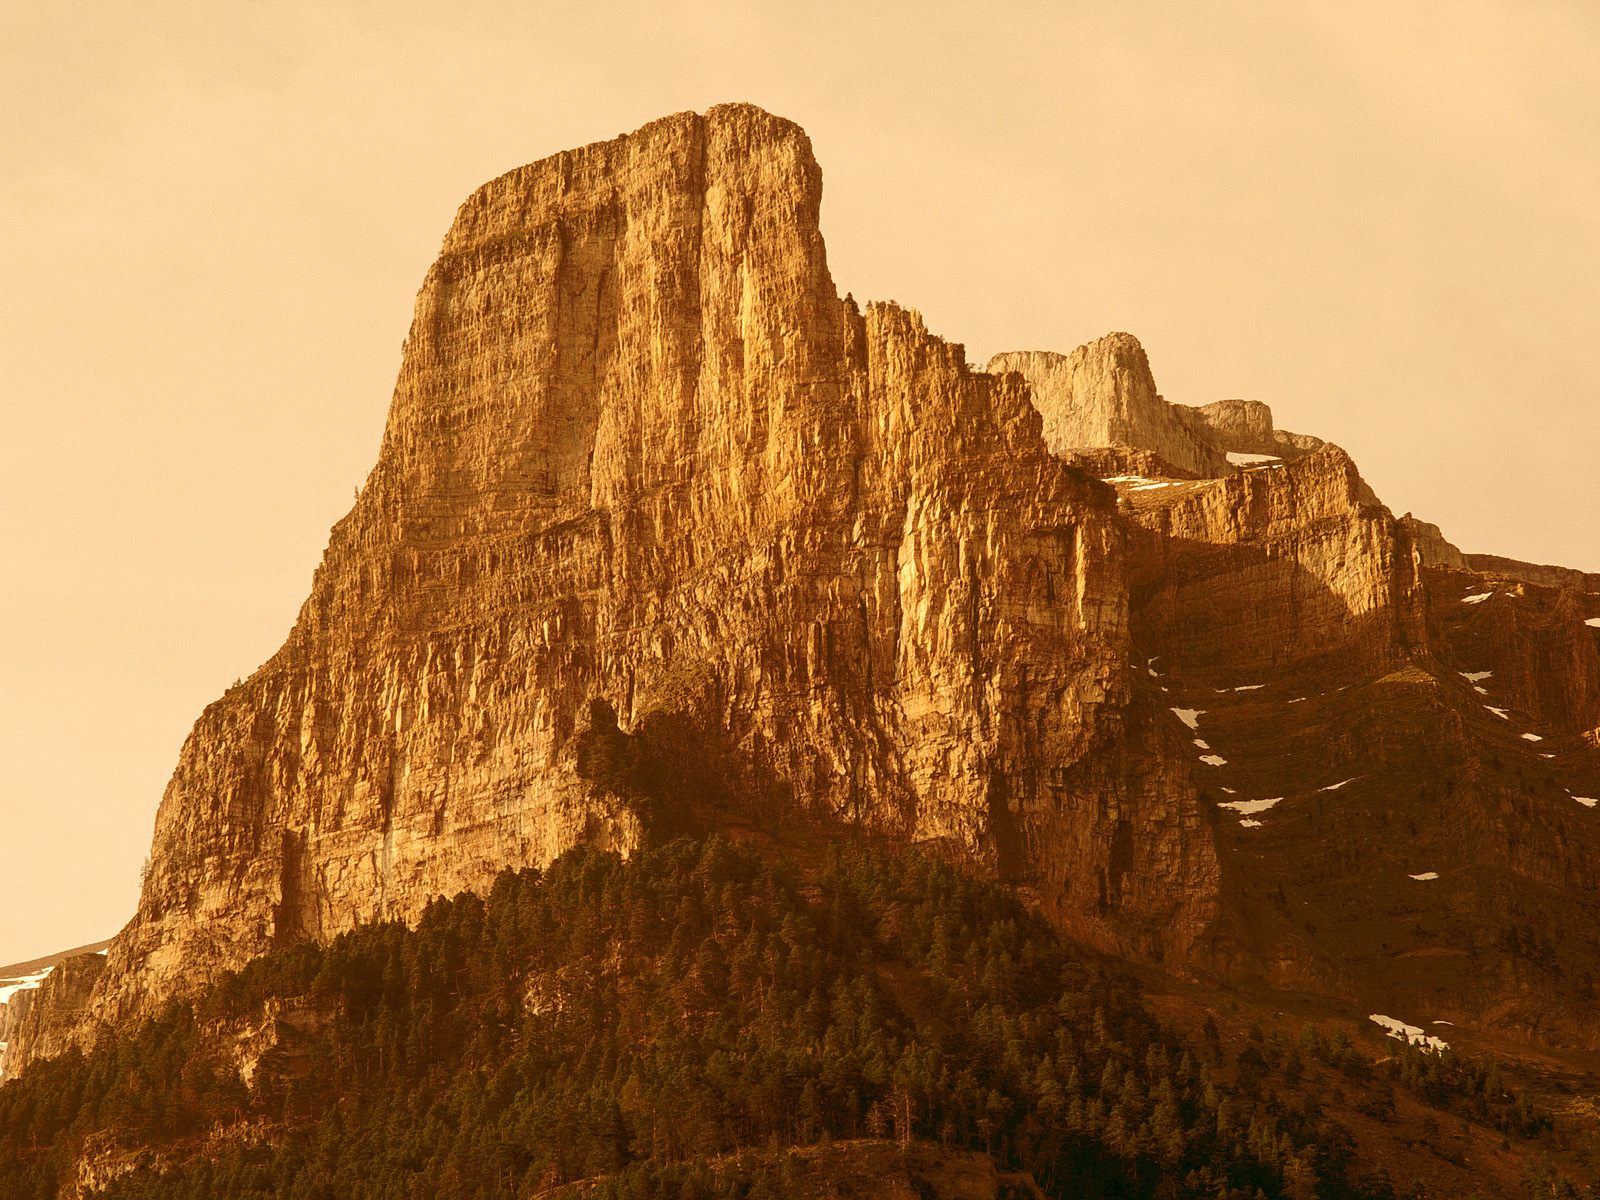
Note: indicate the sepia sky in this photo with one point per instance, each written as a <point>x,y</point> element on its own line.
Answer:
<point>1382,219</point>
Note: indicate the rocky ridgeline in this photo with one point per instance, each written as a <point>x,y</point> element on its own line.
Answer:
<point>640,452</point>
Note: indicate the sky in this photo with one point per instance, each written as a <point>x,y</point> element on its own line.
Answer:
<point>1383,220</point>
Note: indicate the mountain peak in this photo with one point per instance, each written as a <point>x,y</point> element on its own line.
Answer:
<point>814,573</point>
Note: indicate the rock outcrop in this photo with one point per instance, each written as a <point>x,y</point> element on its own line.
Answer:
<point>1433,548</point>
<point>1245,427</point>
<point>42,1018</point>
<point>1103,394</point>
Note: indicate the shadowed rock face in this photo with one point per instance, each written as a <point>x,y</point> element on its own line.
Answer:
<point>642,461</point>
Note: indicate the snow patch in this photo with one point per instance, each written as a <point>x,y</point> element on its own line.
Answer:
<point>1298,700</point>
<point>1427,875</point>
<point>1476,676</point>
<point>1201,742</point>
<point>1189,716</point>
<point>1593,622</point>
<point>1478,599</point>
<point>1586,801</point>
<point>1213,760</point>
<point>1410,1034</point>
<point>1249,824</point>
<point>1334,787</point>
<point>1247,807</point>
<point>1239,459</point>
<point>1532,737</point>
<point>1499,712</point>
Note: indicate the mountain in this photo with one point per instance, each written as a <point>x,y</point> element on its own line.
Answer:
<point>666,537</point>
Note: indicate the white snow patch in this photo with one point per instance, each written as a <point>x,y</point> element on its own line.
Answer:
<point>1334,787</point>
<point>1532,737</point>
<point>1499,712</point>
<point>1202,743</point>
<point>1250,687</point>
<point>1410,1034</point>
<point>1478,599</point>
<point>1127,479</point>
<point>105,952</point>
<point>1189,716</point>
<point>1249,824</point>
<point>1154,674</point>
<point>1476,676</point>
<point>1544,755</point>
<point>1247,807</point>
<point>1593,622</point>
<point>1298,700</point>
<point>1213,760</point>
<point>1231,791</point>
<point>1586,801</point>
<point>1482,691</point>
<point>1427,875</point>
<point>1239,459</point>
<point>1145,487</point>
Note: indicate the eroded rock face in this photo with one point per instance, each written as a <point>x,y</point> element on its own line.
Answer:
<point>1401,754</point>
<point>1245,427</point>
<point>41,1021</point>
<point>1103,394</point>
<point>1274,568</point>
<point>640,451</point>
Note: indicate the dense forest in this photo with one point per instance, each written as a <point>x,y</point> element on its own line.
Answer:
<point>633,1022</point>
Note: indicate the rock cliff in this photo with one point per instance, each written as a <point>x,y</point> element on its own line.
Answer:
<point>641,452</point>
<point>1103,395</point>
<point>1177,672</point>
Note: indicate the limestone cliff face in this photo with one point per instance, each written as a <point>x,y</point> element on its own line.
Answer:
<point>1245,427</point>
<point>1433,548</point>
<point>40,1021</point>
<point>1274,568</point>
<point>640,451</point>
<point>1103,394</point>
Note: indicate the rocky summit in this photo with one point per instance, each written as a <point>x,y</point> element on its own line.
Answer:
<point>651,493</point>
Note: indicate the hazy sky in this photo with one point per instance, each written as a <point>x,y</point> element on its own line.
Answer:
<point>1382,219</point>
